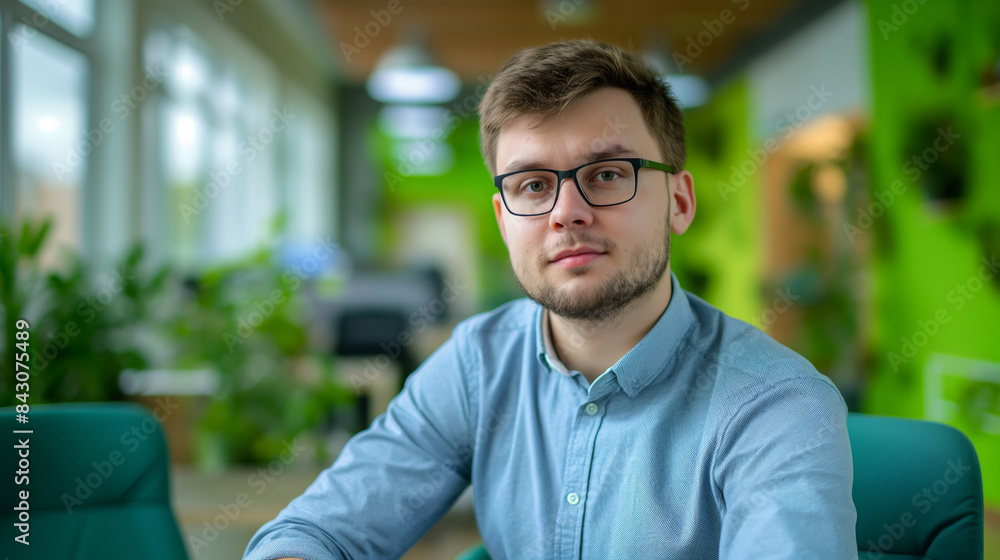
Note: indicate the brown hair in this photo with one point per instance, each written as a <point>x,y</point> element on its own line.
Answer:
<point>543,80</point>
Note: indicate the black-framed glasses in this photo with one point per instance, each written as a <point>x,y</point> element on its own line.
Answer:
<point>605,182</point>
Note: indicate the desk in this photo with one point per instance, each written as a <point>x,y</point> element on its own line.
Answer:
<point>245,500</point>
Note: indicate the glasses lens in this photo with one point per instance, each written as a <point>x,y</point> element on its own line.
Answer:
<point>607,182</point>
<point>530,192</point>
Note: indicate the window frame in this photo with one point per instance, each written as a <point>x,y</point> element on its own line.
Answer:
<point>12,14</point>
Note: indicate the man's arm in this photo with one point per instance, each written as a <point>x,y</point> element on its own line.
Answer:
<point>786,476</point>
<point>391,482</point>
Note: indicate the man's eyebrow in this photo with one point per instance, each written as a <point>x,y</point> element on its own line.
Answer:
<point>521,165</point>
<point>612,151</point>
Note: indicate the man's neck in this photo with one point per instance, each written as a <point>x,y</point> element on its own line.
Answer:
<point>591,348</point>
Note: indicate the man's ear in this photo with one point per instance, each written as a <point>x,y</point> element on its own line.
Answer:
<point>683,201</point>
<point>498,211</point>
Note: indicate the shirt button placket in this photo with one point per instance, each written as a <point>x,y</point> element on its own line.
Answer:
<point>570,519</point>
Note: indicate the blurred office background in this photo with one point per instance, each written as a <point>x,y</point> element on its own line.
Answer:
<point>257,216</point>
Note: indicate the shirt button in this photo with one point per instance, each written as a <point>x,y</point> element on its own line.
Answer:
<point>591,409</point>
<point>573,498</point>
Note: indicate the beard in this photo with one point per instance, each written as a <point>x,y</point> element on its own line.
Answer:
<point>640,275</point>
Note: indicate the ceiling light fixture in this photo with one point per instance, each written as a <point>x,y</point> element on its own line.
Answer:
<point>407,73</point>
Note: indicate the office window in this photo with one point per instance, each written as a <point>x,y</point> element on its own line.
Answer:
<point>216,147</point>
<point>309,196</point>
<point>199,147</point>
<point>50,143</point>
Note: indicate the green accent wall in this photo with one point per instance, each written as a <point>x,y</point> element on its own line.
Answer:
<point>931,65</point>
<point>719,257</point>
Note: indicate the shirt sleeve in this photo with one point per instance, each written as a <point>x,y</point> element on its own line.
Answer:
<point>391,482</point>
<point>786,476</point>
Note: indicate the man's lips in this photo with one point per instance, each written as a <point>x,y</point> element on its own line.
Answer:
<point>575,257</point>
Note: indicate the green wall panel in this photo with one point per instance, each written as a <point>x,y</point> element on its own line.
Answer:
<point>719,257</point>
<point>935,138</point>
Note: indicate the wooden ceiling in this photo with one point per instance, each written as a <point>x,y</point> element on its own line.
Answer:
<point>475,37</point>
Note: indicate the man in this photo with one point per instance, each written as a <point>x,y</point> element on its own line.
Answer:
<point>612,414</point>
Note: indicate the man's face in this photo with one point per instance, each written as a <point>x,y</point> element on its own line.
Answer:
<point>625,248</point>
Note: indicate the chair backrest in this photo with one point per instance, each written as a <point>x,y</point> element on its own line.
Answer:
<point>918,490</point>
<point>97,482</point>
<point>474,552</point>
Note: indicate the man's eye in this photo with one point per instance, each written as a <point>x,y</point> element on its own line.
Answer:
<point>535,186</point>
<point>607,176</point>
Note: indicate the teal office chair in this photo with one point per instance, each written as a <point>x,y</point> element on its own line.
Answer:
<point>917,488</point>
<point>895,461</point>
<point>475,552</point>
<point>98,484</point>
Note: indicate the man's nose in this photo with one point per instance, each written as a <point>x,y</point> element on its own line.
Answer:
<point>571,209</point>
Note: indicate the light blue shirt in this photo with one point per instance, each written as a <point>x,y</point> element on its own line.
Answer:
<point>707,440</point>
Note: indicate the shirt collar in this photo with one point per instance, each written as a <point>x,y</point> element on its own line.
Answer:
<point>549,354</point>
<point>640,366</point>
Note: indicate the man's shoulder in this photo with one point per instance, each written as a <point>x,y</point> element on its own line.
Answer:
<point>743,357</point>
